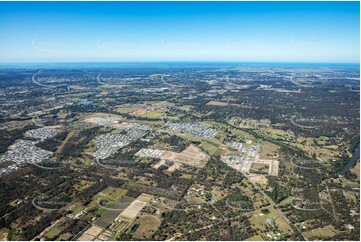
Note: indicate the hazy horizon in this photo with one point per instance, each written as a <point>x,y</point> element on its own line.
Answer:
<point>300,32</point>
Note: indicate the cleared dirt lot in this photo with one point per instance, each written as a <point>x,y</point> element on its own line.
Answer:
<point>135,207</point>
<point>94,116</point>
<point>191,155</point>
<point>222,104</point>
<point>91,233</point>
<point>215,103</point>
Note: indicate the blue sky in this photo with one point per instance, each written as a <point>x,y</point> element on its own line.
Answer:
<point>180,31</point>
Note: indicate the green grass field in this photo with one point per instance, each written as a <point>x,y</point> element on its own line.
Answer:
<point>109,193</point>
<point>261,221</point>
<point>327,231</point>
<point>53,232</point>
<point>65,236</point>
<point>157,115</point>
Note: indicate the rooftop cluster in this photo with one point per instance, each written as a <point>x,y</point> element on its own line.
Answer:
<point>23,152</point>
<point>108,144</point>
<point>200,130</point>
<point>42,133</point>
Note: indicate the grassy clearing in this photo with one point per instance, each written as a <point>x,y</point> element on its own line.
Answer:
<point>255,238</point>
<point>148,225</point>
<point>110,193</point>
<point>157,115</point>
<point>275,133</point>
<point>286,201</point>
<point>242,133</point>
<point>4,234</point>
<point>282,225</point>
<point>260,222</point>
<point>268,150</point>
<point>186,107</point>
<point>52,233</point>
<point>356,169</point>
<point>65,237</point>
<point>216,103</point>
<point>14,202</point>
<point>60,148</point>
<point>309,146</point>
<point>61,114</point>
<point>209,145</point>
<point>126,110</point>
<point>327,231</point>
<point>129,107</point>
<point>83,184</point>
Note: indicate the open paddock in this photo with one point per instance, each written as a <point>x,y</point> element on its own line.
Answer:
<point>327,231</point>
<point>148,225</point>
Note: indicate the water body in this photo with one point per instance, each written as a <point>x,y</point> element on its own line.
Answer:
<point>352,161</point>
<point>85,102</point>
